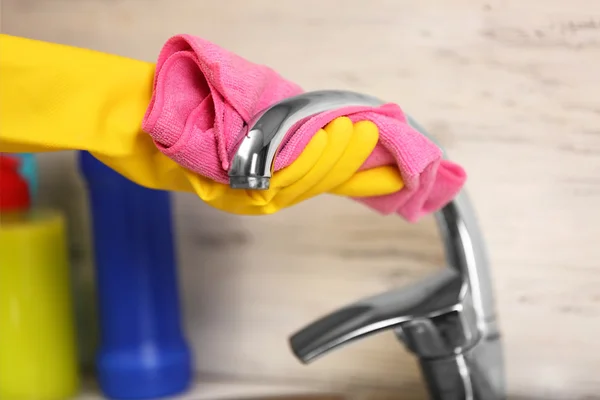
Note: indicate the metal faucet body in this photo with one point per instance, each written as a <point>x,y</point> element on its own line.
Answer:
<point>447,320</point>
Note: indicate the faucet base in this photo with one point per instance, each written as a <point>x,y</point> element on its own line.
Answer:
<point>477,374</point>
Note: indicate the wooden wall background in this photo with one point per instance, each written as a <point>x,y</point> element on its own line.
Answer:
<point>510,88</point>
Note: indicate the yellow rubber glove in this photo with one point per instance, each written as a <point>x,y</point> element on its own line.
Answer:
<point>55,97</point>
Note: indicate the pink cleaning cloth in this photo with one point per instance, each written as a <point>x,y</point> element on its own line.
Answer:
<point>205,95</point>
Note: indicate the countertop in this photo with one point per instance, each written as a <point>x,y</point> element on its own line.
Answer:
<point>218,389</point>
<point>510,88</point>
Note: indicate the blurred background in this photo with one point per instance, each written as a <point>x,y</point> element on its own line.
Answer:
<point>509,88</point>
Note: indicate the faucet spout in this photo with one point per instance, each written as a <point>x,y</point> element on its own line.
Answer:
<point>253,161</point>
<point>447,321</point>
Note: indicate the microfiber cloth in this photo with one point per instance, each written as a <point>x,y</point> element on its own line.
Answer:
<point>204,96</point>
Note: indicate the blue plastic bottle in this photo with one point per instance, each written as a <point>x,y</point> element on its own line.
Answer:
<point>143,353</point>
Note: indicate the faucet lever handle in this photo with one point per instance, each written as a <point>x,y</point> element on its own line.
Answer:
<point>429,316</point>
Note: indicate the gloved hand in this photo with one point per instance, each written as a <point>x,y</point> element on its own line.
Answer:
<point>328,164</point>
<point>55,97</point>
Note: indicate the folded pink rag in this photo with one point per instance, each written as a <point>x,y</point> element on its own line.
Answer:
<point>204,96</point>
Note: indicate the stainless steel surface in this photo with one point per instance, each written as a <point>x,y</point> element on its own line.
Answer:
<point>447,320</point>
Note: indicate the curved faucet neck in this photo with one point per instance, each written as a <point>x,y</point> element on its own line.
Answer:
<point>448,321</point>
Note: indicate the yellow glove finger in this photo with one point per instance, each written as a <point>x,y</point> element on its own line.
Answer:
<point>363,139</point>
<point>339,135</point>
<point>371,182</point>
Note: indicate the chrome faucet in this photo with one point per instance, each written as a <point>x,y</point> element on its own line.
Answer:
<point>447,320</point>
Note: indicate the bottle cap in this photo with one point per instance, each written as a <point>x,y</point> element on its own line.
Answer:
<point>14,190</point>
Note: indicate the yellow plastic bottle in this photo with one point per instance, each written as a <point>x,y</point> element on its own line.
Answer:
<point>38,357</point>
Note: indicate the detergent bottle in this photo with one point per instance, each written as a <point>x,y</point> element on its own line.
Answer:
<point>142,351</point>
<point>38,354</point>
